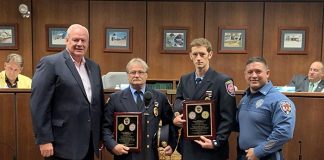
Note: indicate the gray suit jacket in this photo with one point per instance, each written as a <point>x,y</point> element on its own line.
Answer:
<point>301,83</point>
<point>61,111</point>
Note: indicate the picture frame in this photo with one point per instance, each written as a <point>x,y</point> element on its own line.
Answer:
<point>200,119</point>
<point>292,40</point>
<point>8,36</point>
<point>55,37</point>
<point>232,39</point>
<point>127,129</point>
<point>119,39</point>
<point>175,39</point>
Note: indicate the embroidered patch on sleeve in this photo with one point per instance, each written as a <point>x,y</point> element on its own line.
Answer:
<point>229,85</point>
<point>285,107</point>
<point>269,145</point>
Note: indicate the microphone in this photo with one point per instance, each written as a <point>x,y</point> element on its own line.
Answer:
<point>300,150</point>
<point>147,98</point>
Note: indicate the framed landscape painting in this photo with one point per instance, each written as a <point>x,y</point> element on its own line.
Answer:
<point>232,39</point>
<point>119,39</point>
<point>8,36</point>
<point>292,40</point>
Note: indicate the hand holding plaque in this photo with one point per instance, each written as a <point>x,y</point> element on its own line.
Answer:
<point>200,120</point>
<point>127,129</point>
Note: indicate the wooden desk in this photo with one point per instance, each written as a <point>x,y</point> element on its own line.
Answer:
<point>17,137</point>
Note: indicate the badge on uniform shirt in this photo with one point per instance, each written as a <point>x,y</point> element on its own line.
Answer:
<point>259,103</point>
<point>164,144</point>
<point>156,109</point>
<point>285,107</point>
<point>229,85</point>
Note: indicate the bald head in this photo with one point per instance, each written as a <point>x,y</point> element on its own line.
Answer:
<point>74,27</point>
<point>315,72</point>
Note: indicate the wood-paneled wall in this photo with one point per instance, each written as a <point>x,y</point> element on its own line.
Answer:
<point>148,18</point>
<point>277,15</point>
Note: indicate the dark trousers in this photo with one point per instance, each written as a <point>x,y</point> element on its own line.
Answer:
<point>89,156</point>
<point>274,156</point>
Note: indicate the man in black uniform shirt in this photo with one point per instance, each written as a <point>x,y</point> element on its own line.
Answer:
<point>193,86</point>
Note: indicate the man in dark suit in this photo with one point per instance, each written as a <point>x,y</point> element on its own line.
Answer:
<point>153,111</point>
<point>312,82</point>
<point>193,86</point>
<point>67,101</point>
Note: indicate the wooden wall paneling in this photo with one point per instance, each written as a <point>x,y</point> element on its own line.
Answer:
<point>10,15</point>
<point>25,41</point>
<point>58,12</point>
<point>294,14</point>
<point>171,14</point>
<point>322,54</point>
<point>236,14</point>
<point>25,129</point>
<point>116,14</point>
<point>308,130</point>
<point>7,127</point>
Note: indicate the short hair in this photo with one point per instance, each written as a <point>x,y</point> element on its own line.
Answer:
<point>73,26</point>
<point>14,57</point>
<point>322,68</point>
<point>201,42</point>
<point>257,59</point>
<point>138,61</point>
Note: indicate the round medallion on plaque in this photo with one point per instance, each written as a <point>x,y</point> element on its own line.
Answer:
<point>205,115</point>
<point>192,115</point>
<point>121,127</point>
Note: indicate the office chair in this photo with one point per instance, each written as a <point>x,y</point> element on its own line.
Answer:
<point>115,80</point>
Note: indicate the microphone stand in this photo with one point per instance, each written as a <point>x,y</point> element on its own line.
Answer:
<point>300,151</point>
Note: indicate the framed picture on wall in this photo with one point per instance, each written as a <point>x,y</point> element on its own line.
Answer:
<point>55,36</point>
<point>232,39</point>
<point>175,40</point>
<point>292,40</point>
<point>119,39</point>
<point>8,36</point>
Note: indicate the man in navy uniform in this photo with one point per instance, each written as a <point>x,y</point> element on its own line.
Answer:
<point>158,108</point>
<point>193,86</point>
<point>266,117</point>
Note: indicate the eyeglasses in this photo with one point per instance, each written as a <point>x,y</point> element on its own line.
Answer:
<point>133,73</point>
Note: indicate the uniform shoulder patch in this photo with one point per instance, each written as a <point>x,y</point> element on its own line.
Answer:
<point>285,107</point>
<point>229,85</point>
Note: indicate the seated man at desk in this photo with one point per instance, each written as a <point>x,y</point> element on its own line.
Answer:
<point>11,77</point>
<point>312,82</point>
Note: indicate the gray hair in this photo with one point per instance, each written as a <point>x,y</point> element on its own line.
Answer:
<point>14,57</point>
<point>74,26</point>
<point>138,61</point>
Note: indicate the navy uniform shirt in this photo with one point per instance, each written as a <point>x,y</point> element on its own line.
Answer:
<point>266,119</point>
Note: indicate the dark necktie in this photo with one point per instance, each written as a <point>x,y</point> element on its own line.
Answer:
<point>198,82</point>
<point>139,101</point>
